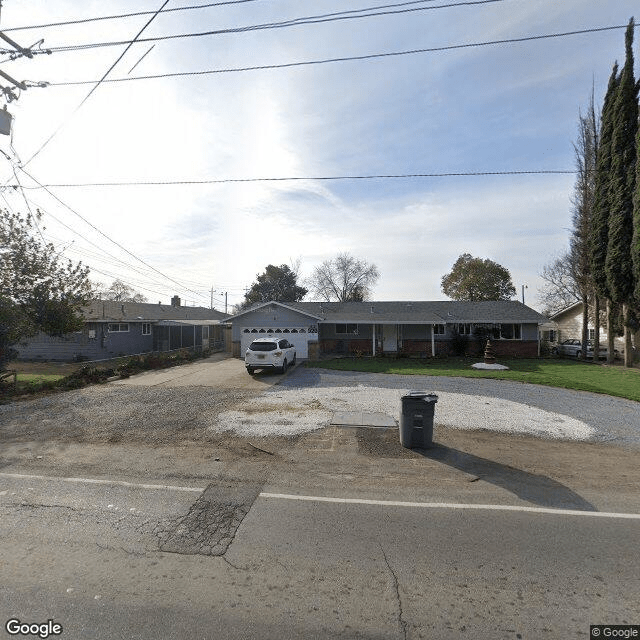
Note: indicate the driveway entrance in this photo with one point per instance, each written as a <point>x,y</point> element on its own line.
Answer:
<point>220,371</point>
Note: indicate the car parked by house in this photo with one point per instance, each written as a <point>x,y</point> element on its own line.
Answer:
<point>573,348</point>
<point>269,353</point>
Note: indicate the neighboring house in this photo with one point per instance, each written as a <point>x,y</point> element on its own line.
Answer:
<point>125,328</point>
<point>415,328</point>
<point>567,324</point>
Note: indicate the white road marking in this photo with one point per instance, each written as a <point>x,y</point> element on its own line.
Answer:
<point>453,505</point>
<point>121,483</point>
<point>383,503</point>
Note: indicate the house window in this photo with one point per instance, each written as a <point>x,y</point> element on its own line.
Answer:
<point>549,335</point>
<point>122,327</point>
<point>510,332</point>
<point>465,329</point>
<point>205,333</point>
<point>438,329</point>
<point>146,328</point>
<point>346,329</point>
<point>592,334</point>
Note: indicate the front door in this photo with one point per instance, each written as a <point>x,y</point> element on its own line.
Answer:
<point>389,338</point>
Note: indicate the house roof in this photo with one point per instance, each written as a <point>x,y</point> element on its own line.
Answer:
<point>109,311</point>
<point>294,306</point>
<point>570,309</point>
<point>414,312</point>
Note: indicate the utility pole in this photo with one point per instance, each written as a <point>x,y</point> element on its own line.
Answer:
<point>225,302</point>
<point>5,117</point>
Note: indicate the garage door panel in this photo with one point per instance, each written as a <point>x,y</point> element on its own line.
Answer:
<point>298,338</point>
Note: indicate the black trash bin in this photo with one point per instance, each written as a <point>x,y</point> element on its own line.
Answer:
<point>416,419</point>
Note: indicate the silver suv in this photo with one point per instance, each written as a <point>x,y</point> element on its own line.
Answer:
<point>270,353</point>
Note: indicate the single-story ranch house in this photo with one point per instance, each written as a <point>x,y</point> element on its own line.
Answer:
<point>414,328</point>
<point>126,328</point>
<point>567,324</point>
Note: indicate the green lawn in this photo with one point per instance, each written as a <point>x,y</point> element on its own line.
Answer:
<point>568,374</point>
<point>26,380</point>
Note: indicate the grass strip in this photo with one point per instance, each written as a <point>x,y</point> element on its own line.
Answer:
<point>566,374</point>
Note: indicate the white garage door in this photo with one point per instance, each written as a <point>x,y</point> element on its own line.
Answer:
<point>297,336</point>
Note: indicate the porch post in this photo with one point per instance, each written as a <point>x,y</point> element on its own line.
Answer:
<point>433,342</point>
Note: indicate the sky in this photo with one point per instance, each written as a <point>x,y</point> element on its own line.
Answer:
<point>494,108</point>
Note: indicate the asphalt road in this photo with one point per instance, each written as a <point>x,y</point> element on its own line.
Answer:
<point>241,558</point>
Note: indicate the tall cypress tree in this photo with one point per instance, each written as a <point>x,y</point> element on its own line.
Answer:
<point>586,149</point>
<point>635,242</point>
<point>602,205</point>
<point>618,261</point>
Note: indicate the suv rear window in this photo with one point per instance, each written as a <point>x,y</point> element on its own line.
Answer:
<point>263,346</point>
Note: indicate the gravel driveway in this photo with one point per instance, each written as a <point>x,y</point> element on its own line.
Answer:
<point>305,400</point>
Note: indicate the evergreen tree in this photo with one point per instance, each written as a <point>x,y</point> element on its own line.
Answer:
<point>618,261</point>
<point>278,284</point>
<point>600,219</point>
<point>38,291</point>
<point>635,243</point>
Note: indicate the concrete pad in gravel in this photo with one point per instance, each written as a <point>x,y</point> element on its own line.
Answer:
<point>362,419</point>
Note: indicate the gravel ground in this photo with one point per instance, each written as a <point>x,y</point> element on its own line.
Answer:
<point>305,400</point>
<point>110,413</point>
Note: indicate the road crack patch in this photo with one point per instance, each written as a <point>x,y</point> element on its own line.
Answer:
<point>211,523</point>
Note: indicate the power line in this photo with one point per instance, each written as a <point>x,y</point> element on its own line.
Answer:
<point>117,244</point>
<point>110,259</point>
<point>115,261</point>
<point>388,176</point>
<point>294,22</point>
<point>125,15</point>
<point>197,6</point>
<point>371,56</point>
<point>84,100</point>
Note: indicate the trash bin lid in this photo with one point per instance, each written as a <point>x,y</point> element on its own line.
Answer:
<point>428,396</point>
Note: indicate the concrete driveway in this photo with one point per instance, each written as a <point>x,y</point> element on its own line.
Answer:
<point>219,371</point>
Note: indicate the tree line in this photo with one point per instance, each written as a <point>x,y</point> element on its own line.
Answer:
<point>602,267</point>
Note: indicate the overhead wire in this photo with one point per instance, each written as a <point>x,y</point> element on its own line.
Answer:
<point>357,58</point>
<point>125,15</point>
<point>42,209</point>
<point>104,235</point>
<point>112,259</point>
<point>294,22</point>
<point>94,88</point>
<point>197,6</point>
<point>84,252</point>
<point>380,176</point>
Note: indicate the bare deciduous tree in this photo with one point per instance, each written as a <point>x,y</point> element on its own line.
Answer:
<point>119,292</point>
<point>560,289</point>
<point>586,148</point>
<point>344,278</point>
